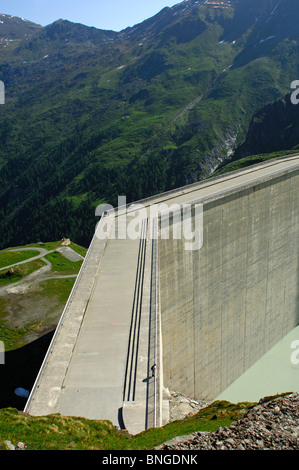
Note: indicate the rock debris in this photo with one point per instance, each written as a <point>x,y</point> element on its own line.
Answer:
<point>272,425</point>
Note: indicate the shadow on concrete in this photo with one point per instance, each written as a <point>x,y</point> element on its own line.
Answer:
<point>121,420</point>
<point>20,370</point>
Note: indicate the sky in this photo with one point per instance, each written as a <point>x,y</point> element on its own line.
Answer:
<point>103,14</point>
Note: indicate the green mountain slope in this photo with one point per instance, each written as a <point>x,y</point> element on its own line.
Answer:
<point>93,114</point>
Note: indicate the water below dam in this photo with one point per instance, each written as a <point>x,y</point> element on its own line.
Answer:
<point>276,372</point>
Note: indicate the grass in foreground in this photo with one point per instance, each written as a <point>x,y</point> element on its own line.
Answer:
<point>57,432</point>
<point>8,258</point>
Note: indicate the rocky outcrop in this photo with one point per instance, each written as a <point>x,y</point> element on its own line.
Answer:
<point>273,128</point>
<point>10,446</point>
<point>272,425</point>
<point>181,406</point>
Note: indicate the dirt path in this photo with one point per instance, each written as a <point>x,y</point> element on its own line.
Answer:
<point>43,252</point>
<point>42,274</point>
<point>187,108</point>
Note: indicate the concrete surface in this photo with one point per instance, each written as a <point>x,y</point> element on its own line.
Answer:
<point>225,306</point>
<point>275,372</point>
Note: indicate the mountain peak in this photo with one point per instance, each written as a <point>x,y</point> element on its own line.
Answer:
<point>13,27</point>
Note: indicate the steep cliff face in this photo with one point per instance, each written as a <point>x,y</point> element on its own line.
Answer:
<point>274,127</point>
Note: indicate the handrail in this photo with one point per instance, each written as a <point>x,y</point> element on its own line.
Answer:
<point>155,239</point>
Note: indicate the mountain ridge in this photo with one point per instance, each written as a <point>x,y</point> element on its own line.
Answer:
<point>91,114</point>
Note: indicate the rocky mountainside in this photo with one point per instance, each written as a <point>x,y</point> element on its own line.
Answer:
<point>273,128</point>
<point>91,114</point>
<point>271,425</point>
<point>14,28</point>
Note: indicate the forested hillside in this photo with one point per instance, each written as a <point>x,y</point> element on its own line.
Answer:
<point>91,114</point>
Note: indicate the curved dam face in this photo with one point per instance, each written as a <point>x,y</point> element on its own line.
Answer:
<point>225,305</point>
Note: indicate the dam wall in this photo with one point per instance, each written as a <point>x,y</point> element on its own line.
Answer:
<point>223,306</point>
<point>151,310</point>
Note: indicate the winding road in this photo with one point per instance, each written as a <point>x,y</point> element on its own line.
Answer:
<point>41,274</point>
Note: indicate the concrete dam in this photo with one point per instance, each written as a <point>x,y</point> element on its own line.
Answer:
<point>183,291</point>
